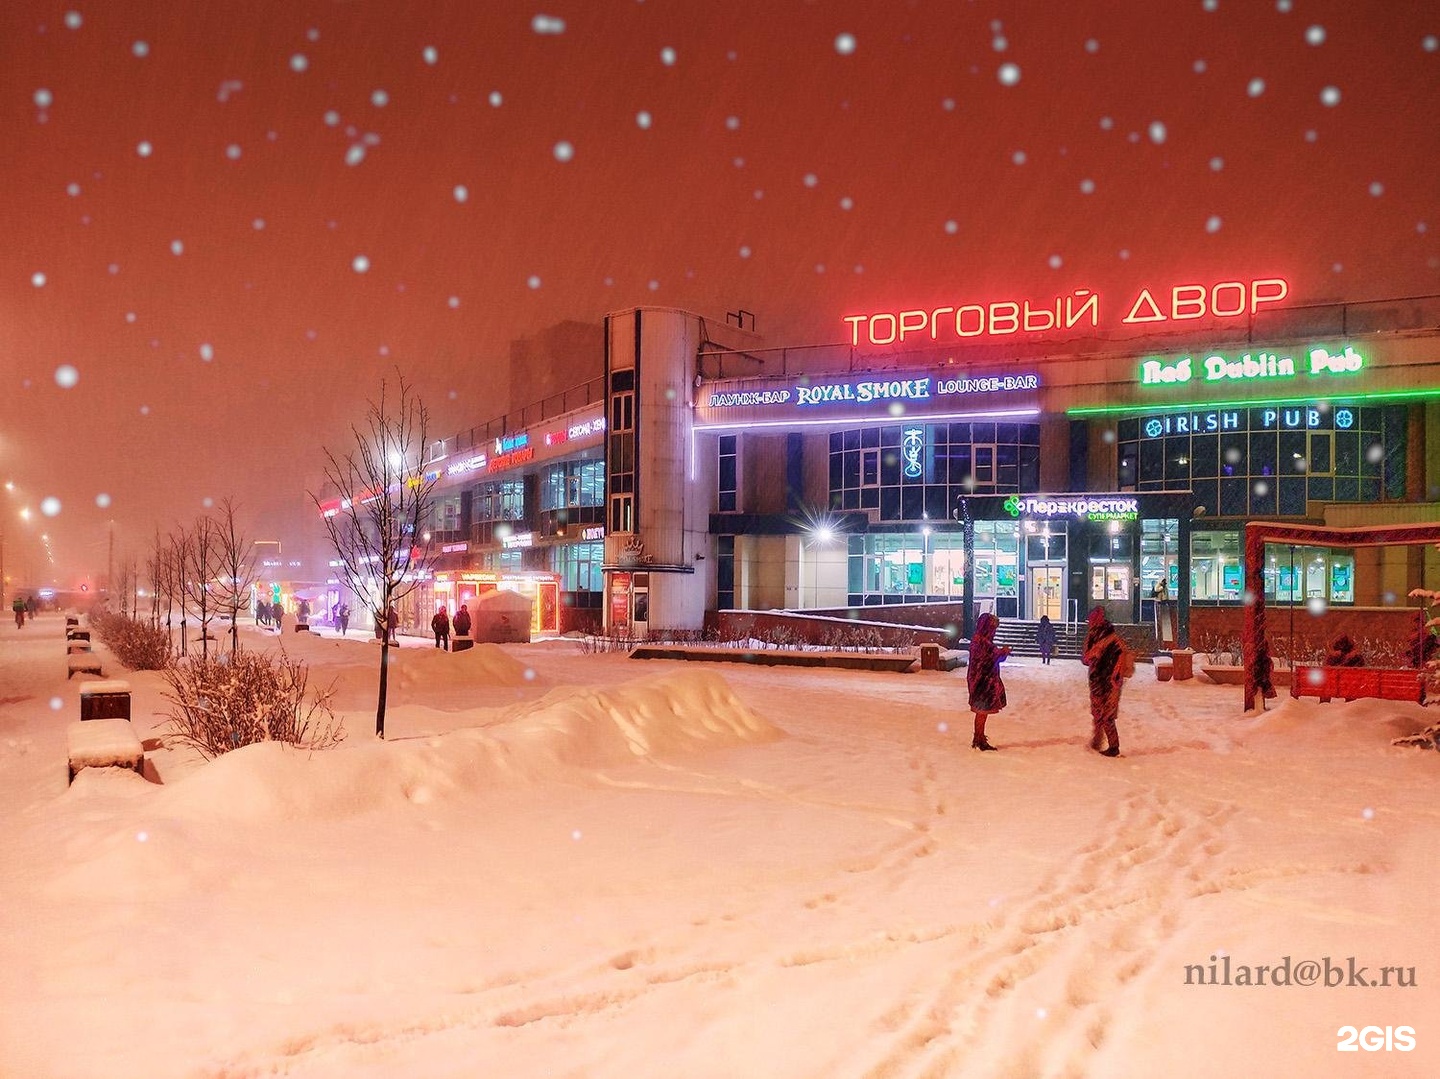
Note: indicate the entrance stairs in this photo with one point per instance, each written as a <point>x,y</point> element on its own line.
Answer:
<point>1019,635</point>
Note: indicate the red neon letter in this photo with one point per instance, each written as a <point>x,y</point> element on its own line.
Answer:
<point>854,321</point>
<point>1192,304</point>
<point>1278,290</point>
<point>1215,308</point>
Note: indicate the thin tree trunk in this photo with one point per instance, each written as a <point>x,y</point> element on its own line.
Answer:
<point>384,684</point>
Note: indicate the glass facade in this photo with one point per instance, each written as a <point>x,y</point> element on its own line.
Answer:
<point>913,567</point>
<point>915,472</point>
<point>1268,460</point>
<point>1293,574</point>
<point>578,565</point>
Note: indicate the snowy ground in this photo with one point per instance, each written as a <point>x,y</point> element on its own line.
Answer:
<point>585,866</point>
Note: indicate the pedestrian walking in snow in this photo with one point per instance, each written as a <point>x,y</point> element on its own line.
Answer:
<point>462,621</point>
<point>392,624</point>
<point>1045,638</point>
<point>279,618</point>
<point>982,677</point>
<point>441,625</point>
<point>1111,662</point>
<point>18,606</point>
<point>344,618</point>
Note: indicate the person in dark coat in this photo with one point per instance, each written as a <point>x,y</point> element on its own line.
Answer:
<point>462,621</point>
<point>1106,656</point>
<point>392,624</point>
<point>441,625</point>
<point>982,677</point>
<point>278,616</point>
<point>1343,653</point>
<point>1045,638</point>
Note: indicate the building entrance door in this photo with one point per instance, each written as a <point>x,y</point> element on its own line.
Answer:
<point>1047,591</point>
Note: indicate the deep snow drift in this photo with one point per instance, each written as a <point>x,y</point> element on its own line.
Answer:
<point>560,864</point>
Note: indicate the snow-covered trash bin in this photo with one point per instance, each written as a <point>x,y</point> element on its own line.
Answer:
<point>462,644</point>
<point>1164,668</point>
<point>105,699</point>
<point>103,743</point>
<point>82,663</point>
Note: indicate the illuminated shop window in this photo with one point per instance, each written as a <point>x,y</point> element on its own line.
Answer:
<point>1305,575</point>
<point>578,565</point>
<point>1267,460</point>
<point>728,474</point>
<point>919,472</point>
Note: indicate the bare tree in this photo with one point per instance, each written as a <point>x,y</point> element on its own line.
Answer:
<point>384,504</point>
<point>236,569</point>
<point>200,567</point>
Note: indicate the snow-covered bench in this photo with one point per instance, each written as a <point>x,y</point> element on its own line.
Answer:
<point>1351,683</point>
<point>82,663</point>
<point>108,698</point>
<point>103,743</point>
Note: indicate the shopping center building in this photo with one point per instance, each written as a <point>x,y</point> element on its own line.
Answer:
<point>1030,459</point>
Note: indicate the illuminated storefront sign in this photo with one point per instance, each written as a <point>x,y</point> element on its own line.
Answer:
<point>1179,303</point>
<point>509,443</point>
<point>472,464</point>
<point>454,548</point>
<point>1217,367</point>
<point>1104,508</point>
<point>575,430</point>
<point>1268,417</point>
<point>511,459</point>
<point>520,539</point>
<point>861,393</point>
<point>912,452</point>
<point>594,532</point>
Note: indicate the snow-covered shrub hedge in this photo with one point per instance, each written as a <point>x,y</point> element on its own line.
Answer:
<point>225,702</point>
<point>138,645</point>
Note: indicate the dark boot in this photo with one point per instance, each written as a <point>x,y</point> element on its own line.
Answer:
<point>979,742</point>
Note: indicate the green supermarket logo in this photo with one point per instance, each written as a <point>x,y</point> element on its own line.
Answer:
<point>1086,509</point>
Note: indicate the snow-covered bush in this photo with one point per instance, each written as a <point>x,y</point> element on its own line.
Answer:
<point>138,645</point>
<point>223,703</point>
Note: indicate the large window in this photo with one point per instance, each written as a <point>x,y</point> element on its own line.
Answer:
<point>500,500</point>
<point>1293,574</point>
<point>572,484</point>
<point>727,479</point>
<point>912,566</point>
<point>1268,460</point>
<point>578,565</point>
<point>918,472</point>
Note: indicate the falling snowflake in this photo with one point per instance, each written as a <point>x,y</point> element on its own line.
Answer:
<point>667,56</point>
<point>643,120</point>
<point>332,118</point>
<point>1158,133</point>
<point>952,227</point>
<point>810,179</point>
<point>732,123</point>
<point>495,99</point>
<point>845,44</point>
<point>744,251</point>
<point>37,279</point>
<point>1212,223</point>
<point>258,224</point>
<point>102,500</point>
<point>430,54</point>
<point>1199,67</point>
<point>564,151</point>
<point>1315,35</point>
<point>233,152</point>
<point>461,192</point>
<point>1087,187</point>
<point>533,281</point>
<point>379,98</point>
<point>1216,164</point>
<point>141,48</point>
<point>847,203</point>
<point>355,154</point>
<point>1092,46</point>
<point>1008,74</point>
<point>999,43</point>
<point>44,98</point>
<point>72,190</point>
<point>177,247</point>
<point>50,506</point>
<point>547,24</point>
<point>299,62</point>
<point>73,20</point>
<point>1377,188</point>
<point>144,149</point>
<point>207,352</point>
<point>360,263</point>
<point>1330,96</point>
<point>66,376</point>
<point>1018,157</point>
<point>1430,43</point>
<point>1056,262</point>
<point>1106,123</point>
<point>1256,87</point>
<point>454,302</point>
<point>1124,254</point>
